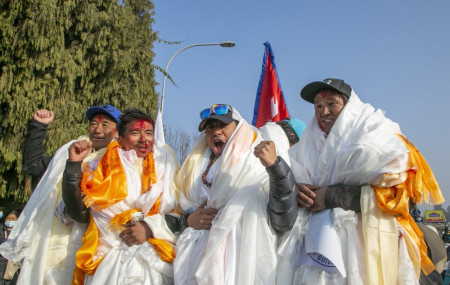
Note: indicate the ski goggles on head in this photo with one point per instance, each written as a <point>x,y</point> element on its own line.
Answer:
<point>221,112</point>
<point>217,109</point>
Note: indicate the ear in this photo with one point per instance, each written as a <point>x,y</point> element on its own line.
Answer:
<point>120,140</point>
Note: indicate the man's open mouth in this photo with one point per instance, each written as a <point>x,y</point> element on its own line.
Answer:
<point>142,148</point>
<point>327,121</point>
<point>98,138</point>
<point>218,146</point>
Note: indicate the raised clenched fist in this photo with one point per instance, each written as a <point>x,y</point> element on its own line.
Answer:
<point>79,150</point>
<point>266,152</point>
<point>44,116</point>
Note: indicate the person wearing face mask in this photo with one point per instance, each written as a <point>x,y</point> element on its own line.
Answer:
<point>356,174</point>
<point>8,269</point>
<point>10,221</point>
<point>9,224</point>
<point>128,193</point>
<point>223,195</point>
<point>45,239</point>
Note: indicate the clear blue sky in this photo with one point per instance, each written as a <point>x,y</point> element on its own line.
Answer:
<point>394,54</point>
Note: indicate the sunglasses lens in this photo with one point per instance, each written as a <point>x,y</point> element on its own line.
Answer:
<point>220,109</point>
<point>217,109</point>
<point>205,113</point>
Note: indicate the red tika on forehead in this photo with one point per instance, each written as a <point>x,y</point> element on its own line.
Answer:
<point>101,117</point>
<point>324,94</point>
<point>139,124</point>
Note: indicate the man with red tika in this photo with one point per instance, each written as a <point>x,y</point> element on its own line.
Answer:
<point>356,175</point>
<point>128,192</point>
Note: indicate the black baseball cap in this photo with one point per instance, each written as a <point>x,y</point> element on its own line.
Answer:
<point>310,91</point>
<point>222,112</point>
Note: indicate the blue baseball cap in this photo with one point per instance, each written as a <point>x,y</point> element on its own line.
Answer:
<point>297,125</point>
<point>112,111</point>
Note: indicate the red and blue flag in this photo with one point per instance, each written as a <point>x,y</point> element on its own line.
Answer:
<point>270,105</point>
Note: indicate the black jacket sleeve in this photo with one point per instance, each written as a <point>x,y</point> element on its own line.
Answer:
<point>176,224</point>
<point>71,193</point>
<point>282,196</point>
<point>343,196</point>
<point>34,161</point>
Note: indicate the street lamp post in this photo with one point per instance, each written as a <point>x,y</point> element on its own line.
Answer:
<point>224,44</point>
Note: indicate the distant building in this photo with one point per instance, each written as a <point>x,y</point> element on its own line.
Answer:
<point>435,216</point>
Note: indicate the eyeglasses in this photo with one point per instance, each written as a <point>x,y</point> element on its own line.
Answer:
<point>218,109</point>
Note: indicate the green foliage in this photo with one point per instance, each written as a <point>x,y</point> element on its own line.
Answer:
<point>66,56</point>
<point>169,42</point>
<point>160,69</point>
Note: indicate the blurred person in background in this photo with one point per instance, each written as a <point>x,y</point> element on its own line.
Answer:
<point>446,272</point>
<point>446,235</point>
<point>8,269</point>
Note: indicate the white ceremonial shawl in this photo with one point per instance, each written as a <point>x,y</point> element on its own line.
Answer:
<point>273,132</point>
<point>137,264</point>
<point>30,240</point>
<point>167,166</point>
<point>240,247</point>
<point>361,146</point>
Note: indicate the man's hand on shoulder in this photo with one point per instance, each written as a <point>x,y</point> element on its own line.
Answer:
<point>79,150</point>
<point>43,116</point>
<point>136,234</point>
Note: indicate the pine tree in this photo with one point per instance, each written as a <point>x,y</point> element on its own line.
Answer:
<point>66,56</point>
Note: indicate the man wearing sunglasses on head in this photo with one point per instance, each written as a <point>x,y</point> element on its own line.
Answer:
<point>224,192</point>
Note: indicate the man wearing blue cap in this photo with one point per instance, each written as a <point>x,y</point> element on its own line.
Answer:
<point>44,241</point>
<point>102,129</point>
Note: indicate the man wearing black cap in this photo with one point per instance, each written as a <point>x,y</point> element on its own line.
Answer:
<point>224,191</point>
<point>356,173</point>
<point>44,240</point>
